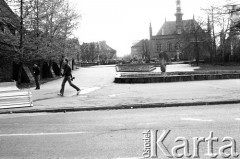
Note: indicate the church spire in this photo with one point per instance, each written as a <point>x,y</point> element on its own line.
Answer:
<point>150,30</point>
<point>179,14</point>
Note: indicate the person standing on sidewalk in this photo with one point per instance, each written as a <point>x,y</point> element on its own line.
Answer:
<point>36,72</point>
<point>67,76</point>
<point>163,58</point>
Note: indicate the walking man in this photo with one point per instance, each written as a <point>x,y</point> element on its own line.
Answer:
<point>67,76</point>
<point>36,72</point>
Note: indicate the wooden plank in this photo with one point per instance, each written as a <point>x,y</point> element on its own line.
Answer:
<point>15,106</point>
<point>17,103</point>
<point>13,93</point>
<point>15,98</point>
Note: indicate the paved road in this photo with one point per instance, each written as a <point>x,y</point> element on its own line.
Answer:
<point>112,134</point>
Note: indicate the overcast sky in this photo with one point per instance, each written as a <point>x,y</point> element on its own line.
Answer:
<point>120,22</point>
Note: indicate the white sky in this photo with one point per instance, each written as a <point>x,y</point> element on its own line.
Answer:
<point>120,22</point>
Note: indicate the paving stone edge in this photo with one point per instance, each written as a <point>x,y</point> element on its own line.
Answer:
<point>117,107</point>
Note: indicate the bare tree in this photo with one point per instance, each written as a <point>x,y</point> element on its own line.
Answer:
<point>44,28</point>
<point>195,40</point>
<point>221,27</point>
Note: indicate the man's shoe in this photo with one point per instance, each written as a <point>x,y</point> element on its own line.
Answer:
<point>60,94</point>
<point>78,92</point>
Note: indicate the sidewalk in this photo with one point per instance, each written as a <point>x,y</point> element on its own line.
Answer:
<point>100,93</point>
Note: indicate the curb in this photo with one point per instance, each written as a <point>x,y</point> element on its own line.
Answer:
<point>130,106</point>
<point>151,78</point>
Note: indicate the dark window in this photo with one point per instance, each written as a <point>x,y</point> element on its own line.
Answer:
<point>159,47</point>
<point>169,46</point>
<point>2,27</point>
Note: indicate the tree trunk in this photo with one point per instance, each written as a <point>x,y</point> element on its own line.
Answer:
<point>19,81</point>
<point>197,54</point>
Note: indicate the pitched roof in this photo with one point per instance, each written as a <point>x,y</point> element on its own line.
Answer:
<point>103,46</point>
<point>137,43</point>
<point>7,16</point>
<point>169,27</point>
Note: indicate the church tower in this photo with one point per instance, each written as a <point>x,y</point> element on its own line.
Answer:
<point>179,14</point>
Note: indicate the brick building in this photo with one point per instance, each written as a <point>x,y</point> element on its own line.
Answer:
<point>180,39</point>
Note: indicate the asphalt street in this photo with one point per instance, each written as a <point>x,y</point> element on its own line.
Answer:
<point>115,134</point>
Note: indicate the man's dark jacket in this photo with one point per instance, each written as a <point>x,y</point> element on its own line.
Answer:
<point>36,71</point>
<point>67,70</point>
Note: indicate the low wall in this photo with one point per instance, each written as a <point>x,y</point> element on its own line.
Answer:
<point>175,77</point>
<point>86,64</point>
<point>135,68</point>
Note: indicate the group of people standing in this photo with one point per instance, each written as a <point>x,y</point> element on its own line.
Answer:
<point>67,76</point>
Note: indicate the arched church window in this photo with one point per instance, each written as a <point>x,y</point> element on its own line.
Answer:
<point>159,47</point>
<point>169,46</point>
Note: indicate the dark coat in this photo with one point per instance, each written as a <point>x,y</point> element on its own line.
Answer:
<point>67,71</point>
<point>36,71</point>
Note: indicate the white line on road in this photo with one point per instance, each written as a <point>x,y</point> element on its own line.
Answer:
<point>43,134</point>
<point>237,118</point>
<point>131,158</point>
<point>194,119</point>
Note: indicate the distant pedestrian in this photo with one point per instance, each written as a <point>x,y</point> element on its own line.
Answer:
<point>67,76</point>
<point>163,58</point>
<point>36,72</point>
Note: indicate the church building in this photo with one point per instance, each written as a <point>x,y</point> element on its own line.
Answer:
<point>178,39</point>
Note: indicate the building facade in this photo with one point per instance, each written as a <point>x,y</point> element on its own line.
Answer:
<point>180,39</point>
<point>97,52</point>
<point>140,50</point>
